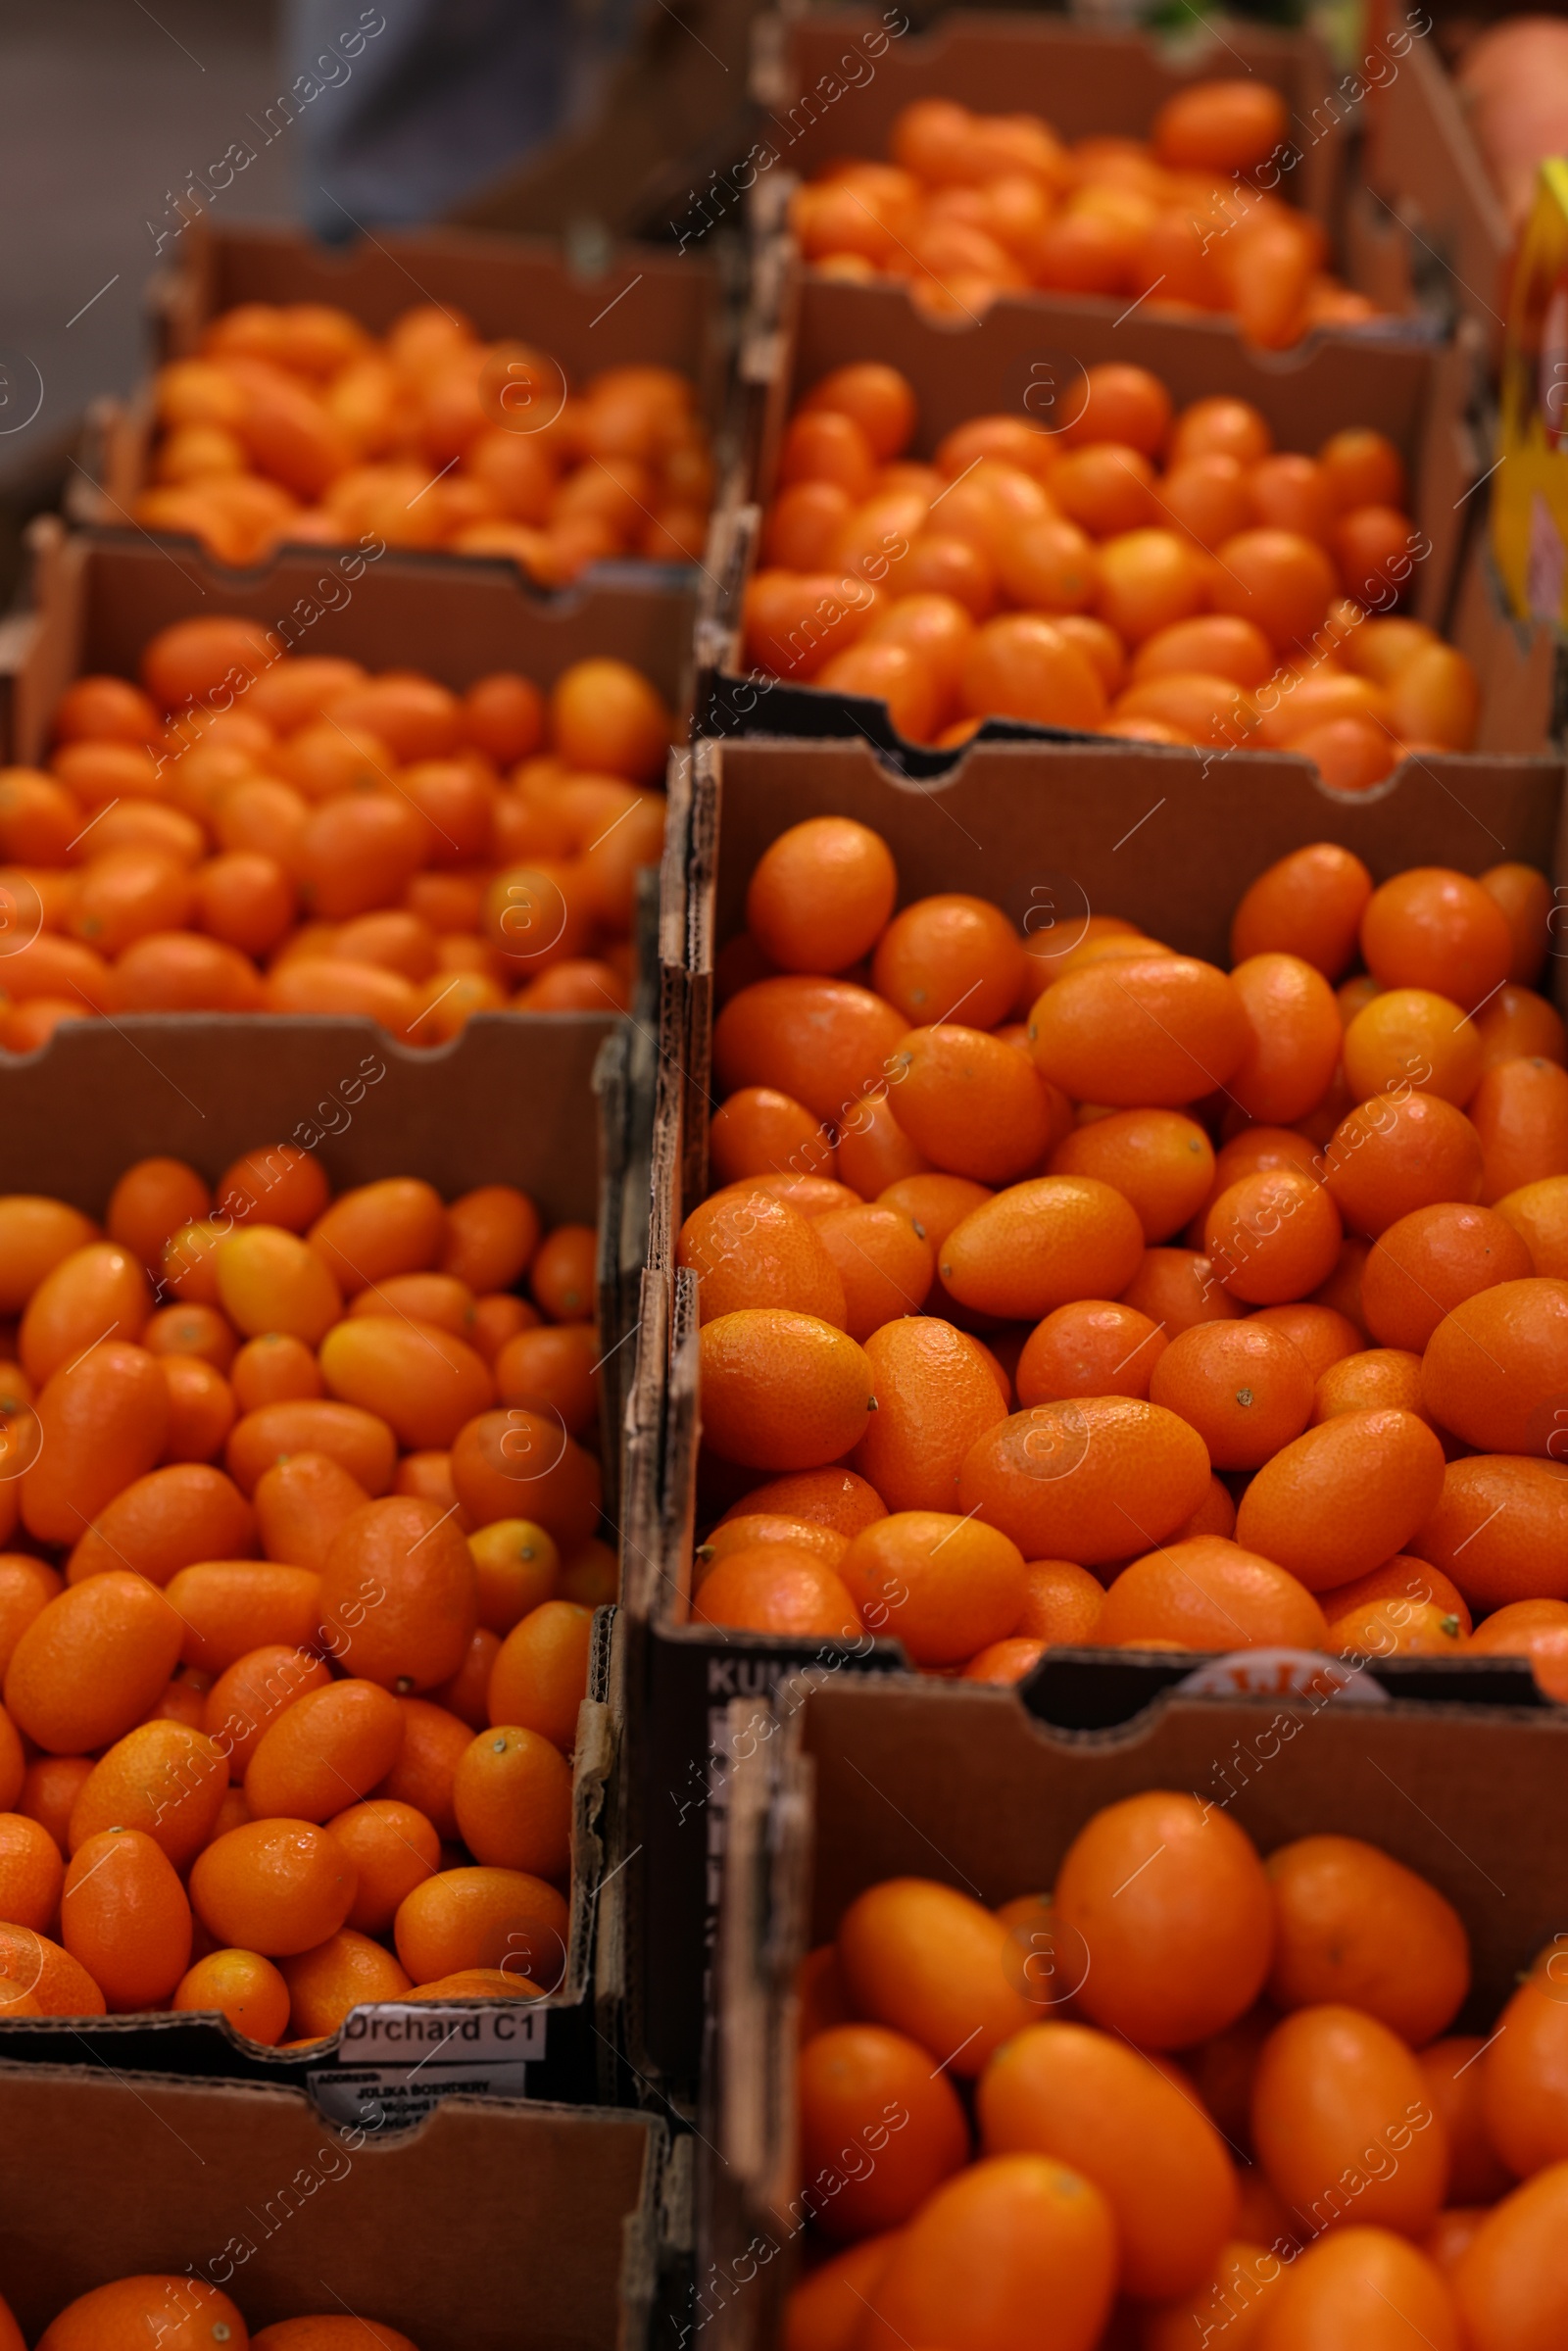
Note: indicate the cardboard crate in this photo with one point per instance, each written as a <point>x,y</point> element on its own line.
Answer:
<point>96,599</point>
<point>638,305</point>
<point>1051,829</point>
<point>511,1102</point>
<point>1016,359</point>
<point>856,1782</point>
<point>1424,174</point>
<point>490,2227</point>
<point>558,1104</point>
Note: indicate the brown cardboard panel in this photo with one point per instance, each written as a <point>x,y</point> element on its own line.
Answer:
<point>855,1781</point>
<point>98,596</point>
<point>1421,159</point>
<point>978,1794</point>
<point>663,306</point>
<point>1026,350</point>
<point>1051,831</point>
<point>509,1101</point>
<point>488,2227</point>
<point>832,81</point>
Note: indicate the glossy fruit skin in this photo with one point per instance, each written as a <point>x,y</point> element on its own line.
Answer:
<point>1363,2285</point>
<point>423,1382</point>
<point>163,1778</point>
<point>1498,1528</point>
<point>1524,2094</point>
<point>1343,1497</point>
<point>1086,2099</point>
<point>1455,2082</point>
<point>1180,1952</point>
<point>782,1391</point>
<point>92,1663</point>
<point>512,1793</point>
<point>820,895</point>
<point>1207,1593</point>
<point>1160,1161</point>
<point>1496,1366</point>
<point>483,1917</point>
<point>102,1422</point>
<point>125,1919</point>
<point>1040,1243</point>
<point>777,1587</point>
<point>1387,1158</point>
<point>540,1678</point>
<point>356,1440</point>
<point>1058,1478</point>
<point>819,1041</point>
<point>399,1600</point>
<point>1343,2126</point>
<point>945,1587</point>
<point>749,1249</point>
<point>276,1886</point>
<point>972,1104</point>
<point>241,1985</point>
<point>1431,1261</point>
<point>1146,1032</point>
<point>932,1964</point>
<point>326,1749</point>
<point>519,1464</point>
<point>1355,1928</point>
<point>1096,1346</point>
<point>165,1521</point>
<point>341,1974</point>
<point>1245,1388</point>
<point>181,2314</point>
<point>1273,1237</point>
<point>1014,2249</point>
<point>394,1848</point>
<point>935,1398</point>
<point>854,2080</point>
<point>1510,2283</point>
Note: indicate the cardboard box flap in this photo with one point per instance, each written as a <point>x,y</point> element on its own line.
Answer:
<point>962,1785</point>
<point>1044,829</point>
<point>100,595</point>
<point>483,2228</point>
<point>833,80</point>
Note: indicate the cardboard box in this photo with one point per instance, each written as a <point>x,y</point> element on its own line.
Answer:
<point>857,1781</point>
<point>511,1102</point>
<point>560,1104</point>
<point>830,81</point>
<point>1027,357</point>
<point>97,596</point>
<point>1424,174</point>
<point>1048,831</point>
<point>489,2227</point>
<point>637,304</point>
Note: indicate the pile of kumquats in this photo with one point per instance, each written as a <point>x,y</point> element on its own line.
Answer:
<point>1201,2097</point>
<point>1170,579</point>
<point>247,830</point>
<point>294,423</point>
<point>1065,1289</point>
<point>972,206</point>
<point>302,1527</point>
<point>186,2314</point>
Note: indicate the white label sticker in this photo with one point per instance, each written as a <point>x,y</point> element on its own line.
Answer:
<point>395,2062</point>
